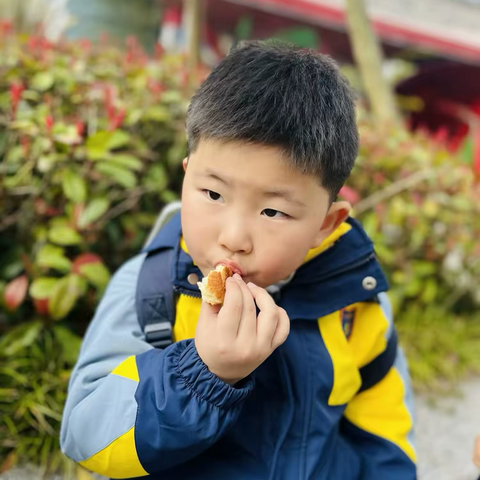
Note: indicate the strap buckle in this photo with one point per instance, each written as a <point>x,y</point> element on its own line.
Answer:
<point>159,334</point>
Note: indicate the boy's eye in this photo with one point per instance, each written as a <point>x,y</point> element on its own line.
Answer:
<point>214,196</point>
<point>271,213</point>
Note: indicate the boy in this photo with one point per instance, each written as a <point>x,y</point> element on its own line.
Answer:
<point>298,375</point>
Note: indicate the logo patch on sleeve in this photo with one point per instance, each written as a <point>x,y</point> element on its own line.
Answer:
<point>347,317</point>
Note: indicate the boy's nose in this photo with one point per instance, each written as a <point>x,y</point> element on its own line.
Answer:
<point>236,238</point>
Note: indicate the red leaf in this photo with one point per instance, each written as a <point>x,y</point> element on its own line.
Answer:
<point>41,306</point>
<point>349,194</point>
<point>9,462</point>
<point>16,90</point>
<point>476,152</point>
<point>83,259</point>
<point>49,122</point>
<point>379,178</point>
<point>15,292</point>
<point>6,27</point>
<point>159,51</point>
<point>80,128</point>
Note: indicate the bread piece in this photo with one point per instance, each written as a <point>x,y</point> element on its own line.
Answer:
<point>213,285</point>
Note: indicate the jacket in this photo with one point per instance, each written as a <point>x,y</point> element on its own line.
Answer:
<point>134,410</point>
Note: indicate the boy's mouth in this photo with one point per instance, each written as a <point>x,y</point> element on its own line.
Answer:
<point>232,265</point>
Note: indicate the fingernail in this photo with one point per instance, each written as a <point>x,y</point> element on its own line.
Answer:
<point>237,276</point>
<point>251,284</point>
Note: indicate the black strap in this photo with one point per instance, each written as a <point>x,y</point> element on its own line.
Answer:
<point>155,298</point>
<point>376,370</point>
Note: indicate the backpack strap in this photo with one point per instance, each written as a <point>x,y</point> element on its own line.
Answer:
<point>376,370</point>
<point>155,296</point>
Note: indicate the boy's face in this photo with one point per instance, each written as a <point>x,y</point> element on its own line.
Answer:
<point>244,207</point>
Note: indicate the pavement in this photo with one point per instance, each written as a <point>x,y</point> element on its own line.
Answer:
<point>445,434</point>
<point>446,428</point>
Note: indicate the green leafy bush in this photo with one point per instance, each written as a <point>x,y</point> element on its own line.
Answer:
<point>91,143</point>
<point>421,206</point>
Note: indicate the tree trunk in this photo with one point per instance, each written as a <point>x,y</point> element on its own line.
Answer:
<point>193,26</point>
<point>368,56</point>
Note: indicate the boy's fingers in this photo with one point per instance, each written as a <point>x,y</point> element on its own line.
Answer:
<point>248,324</point>
<point>231,312</point>
<point>263,299</point>
<point>283,329</point>
<point>212,309</point>
<point>266,328</point>
<point>267,321</point>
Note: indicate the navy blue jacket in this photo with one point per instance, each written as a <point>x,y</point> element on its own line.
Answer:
<point>133,410</point>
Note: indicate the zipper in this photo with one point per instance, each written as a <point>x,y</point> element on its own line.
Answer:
<point>309,405</point>
<point>326,456</point>
<point>287,423</point>
<point>186,291</point>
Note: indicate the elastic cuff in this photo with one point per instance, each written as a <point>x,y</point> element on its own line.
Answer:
<point>207,385</point>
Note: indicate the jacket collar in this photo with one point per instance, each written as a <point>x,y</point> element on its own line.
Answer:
<point>345,273</point>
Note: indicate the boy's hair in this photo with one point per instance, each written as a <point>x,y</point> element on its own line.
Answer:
<point>283,96</point>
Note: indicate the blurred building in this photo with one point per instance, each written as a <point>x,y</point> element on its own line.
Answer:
<point>440,38</point>
<point>116,19</point>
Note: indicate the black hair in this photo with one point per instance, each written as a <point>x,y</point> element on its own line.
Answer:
<point>283,96</point>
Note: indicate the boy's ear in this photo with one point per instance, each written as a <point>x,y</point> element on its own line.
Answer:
<point>337,214</point>
<point>185,163</point>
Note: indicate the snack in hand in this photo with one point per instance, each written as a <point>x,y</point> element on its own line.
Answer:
<point>213,285</point>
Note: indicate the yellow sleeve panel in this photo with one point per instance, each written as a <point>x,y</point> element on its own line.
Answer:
<point>117,460</point>
<point>346,377</point>
<point>368,337</point>
<point>382,411</point>
<point>127,369</point>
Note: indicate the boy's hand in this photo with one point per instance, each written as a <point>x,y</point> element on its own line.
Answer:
<point>232,341</point>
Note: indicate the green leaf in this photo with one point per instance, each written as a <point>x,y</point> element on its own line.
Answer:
<point>466,152</point>
<point>168,196</point>
<point>97,145</point>
<point>119,174</point>
<point>70,343</point>
<point>127,161</point>
<point>59,222</point>
<point>63,235</point>
<point>64,296</point>
<point>66,134</point>
<point>19,338</point>
<point>100,144</point>
<point>15,154</point>
<point>43,81</point>
<point>157,113</point>
<point>118,139</point>
<point>53,257</point>
<point>172,96</point>
<point>12,267</point>
<point>42,287</point>
<point>46,162</point>
<point>96,273</point>
<point>430,291</point>
<point>157,177</point>
<point>93,211</point>
<point>74,186</point>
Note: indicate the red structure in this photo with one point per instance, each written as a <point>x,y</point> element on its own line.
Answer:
<point>447,56</point>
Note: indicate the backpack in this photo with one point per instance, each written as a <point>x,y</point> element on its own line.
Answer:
<point>155,303</point>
